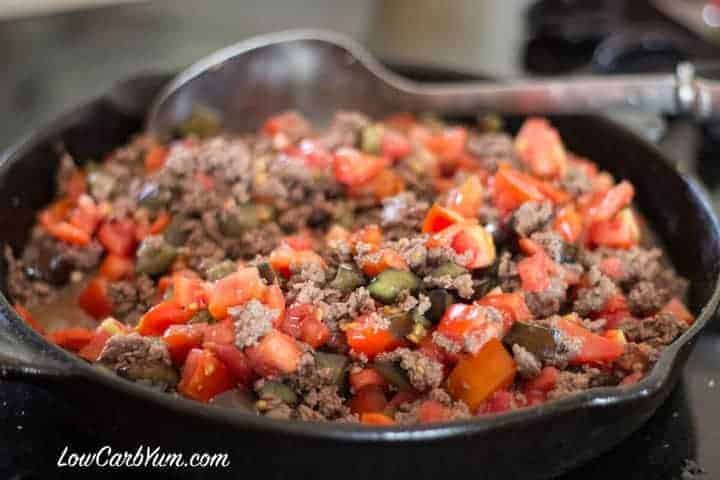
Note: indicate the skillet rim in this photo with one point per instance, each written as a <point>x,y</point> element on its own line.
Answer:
<point>72,369</point>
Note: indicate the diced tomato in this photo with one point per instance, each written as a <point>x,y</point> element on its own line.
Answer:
<point>283,122</point>
<point>369,234</point>
<point>528,246</point>
<point>513,188</point>
<point>401,397</point>
<point>621,231</point>
<point>204,376</point>
<point>433,411</point>
<point>568,223</point>
<point>275,300</point>
<point>394,145</point>
<point>337,233</point>
<point>631,379</point>
<point>401,121</point>
<point>116,267</point>
<point>594,348</point>
<point>63,230</point>
<point>300,241</point>
<point>161,316</point>
<point>221,333</point>
<point>155,158</point>
<point>616,335</point>
<point>160,223</point>
<point>276,353</point>
<point>206,181</point>
<point>385,184</point>
<point>25,314</point>
<point>94,299</point>
<point>91,351</point>
<point>189,292</point>
<point>376,419</point>
<point>304,321</point>
<point>432,350</point>
<point>86,215</point>
<point>73,338</point>
<point>512,304</point>
<point>235,289</point>
<point>354,168</point>
<point>467,198</point>
<point>180,339</point>
<point>383,260</point>
<point>449,144</point>
<point>612,267</point>
<point>556,195</point>
<point>544,382</point>
<point>366,376</point>
<point>284,258</point>
<point>500,401</point>
<point>118,237</point>
<point>535,397</point>
<point>76,185</point>
<point>370,399</point>
<point>477,244</point>
<point>535,272</point>
<point>312,154</point>
<point>439,218</point>
<point>461,321</point>
<point>679,310</point>
<point>477,376</point>
<point>539,147</point>
<point>365,337</point>
<point>235,360</point>
<point>605,205</point>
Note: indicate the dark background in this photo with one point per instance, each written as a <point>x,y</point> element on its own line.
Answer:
<point>54,61</point>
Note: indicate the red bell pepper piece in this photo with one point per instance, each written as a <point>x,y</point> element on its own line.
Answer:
<point>276,353</point>
<point>162,315</point>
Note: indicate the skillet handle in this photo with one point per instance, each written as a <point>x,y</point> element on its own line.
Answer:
<point>24,356</point>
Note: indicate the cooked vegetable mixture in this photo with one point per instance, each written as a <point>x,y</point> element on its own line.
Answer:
<point>384,272</point>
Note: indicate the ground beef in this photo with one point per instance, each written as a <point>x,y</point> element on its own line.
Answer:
<point>138,357</point>
<point>413,251</point>
<point>657,331</point>
<point>594,297</point>
<point>344,130</point>
<point>424,372</point>
<point>576,182</point>
<point>475,339</point>
<point>569,383</point>
<point>554,246</point>
<point>327,401</point>
<point>549,301</point>
<point>645,298</point>
<point>637,357</point>
<point>130,299</point>
<point>463,284</point>
<point>408,412</point>
<point>252,322</point>
<point>403,210</point>
<point>530,217</point>
<point>507,273</point>
<point>491,149</point>
<point>528,365</point>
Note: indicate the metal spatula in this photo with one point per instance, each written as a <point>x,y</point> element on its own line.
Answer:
<point>320,72</point>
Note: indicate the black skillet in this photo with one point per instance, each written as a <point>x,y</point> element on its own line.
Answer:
<point>532,443</point>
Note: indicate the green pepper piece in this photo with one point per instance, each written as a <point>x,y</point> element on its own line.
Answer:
<point>450,269</point>
<point>387,286</point>
<point>393,374</point>
<point>336,365</point>
<point>175,233</point>
<point>220,270</point>
<point>371,138</point>
<point>440,300</point>
<point>277,391</point>
<point>540,341</point>
<point>347,279</point>
<point>153,197</point>
<point>203,122</point>
<point>154,256</point>
<point>243,218</point>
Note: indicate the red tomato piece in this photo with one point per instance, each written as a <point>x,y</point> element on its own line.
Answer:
<point>679,310</point>
<point>91,351</point>
<point>235,360</point>
<point>539,147</point>
<point>301,241</point>
<point>385,184</point>
<point>535,272</point>
<point>76,185</point>
<point>155,158</point>
<point>161,316</point>
<point>63,230</point>
<point>116,267</point>
<point>284,258</point>
<point>544,382</point>
<point>94,299</point>
<point>512,304</point>
<point>304,321</point>
<point>204,376</point>
<point>283,123</point>
<point>353,168</point>
<point>404,396</point>
<point>189,292</point>
<point>180,339</point>
<point>25,314</point>
<point>439,218</point>
<point>370,399</point>
<point>366,376</point>
<point>394,145</point>
<point>594,348</point>
<point>384,259</point>
<point>462,321</point>
<point>312,154</point>
<point>370,235</point>
<point>433,411</point>
<point>513,188</point>
<point>499,401</point>
<point>605,205</point>
<point>467,198</point>
<point>118,237</point>
<point>275,300</point>
<point>365,337</point>
<point>619,232</point>
<point>475,242</point>
<point>73,338</point>
<point>221,333</point>
<point>87,215</point>
<point>275,354</point>
<point>612,267</point>
<point>376,419</point>
<point>449,144</point>
<point>568,223</point>
<point>235,289</point>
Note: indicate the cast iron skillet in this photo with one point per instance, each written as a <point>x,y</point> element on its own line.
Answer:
<point>532,443</point>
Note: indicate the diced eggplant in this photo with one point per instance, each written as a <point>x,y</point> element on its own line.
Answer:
<point>244,217</point>
<point>155,373</point>
<point>334,363</point>
<point>540,341</point>
<point>401,322</point>
<point>450,269</point>
<point>347,279</point>
<point>277,391</point>
<point>176,234</point>
<point>154,256</point>
<point>389,284</point>
<point>440,300</point>
<point>393,374</point>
